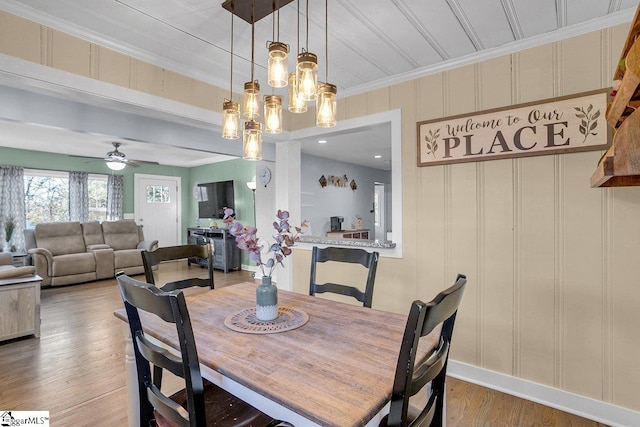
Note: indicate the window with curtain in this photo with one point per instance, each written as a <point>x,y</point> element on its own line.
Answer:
<point>12,204</point>
<point>52,196</point>
<point>115,185</point>
<point>78,196</point>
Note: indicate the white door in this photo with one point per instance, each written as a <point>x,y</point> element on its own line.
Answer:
<point>378,212</point>
<point>158,208</point>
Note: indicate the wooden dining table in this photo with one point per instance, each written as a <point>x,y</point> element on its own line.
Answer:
<point>335,370</point>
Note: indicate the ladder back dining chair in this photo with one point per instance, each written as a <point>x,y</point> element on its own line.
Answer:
<point>200,403</point>
<point>355,256</point>
<point>413,375</point>
<point>151,259</point>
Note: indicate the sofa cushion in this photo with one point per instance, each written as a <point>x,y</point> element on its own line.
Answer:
<point>60,237</point>
<point>127,258</point>
<point>78,263</point>
<point>120,234</point>
<point>92,232</point>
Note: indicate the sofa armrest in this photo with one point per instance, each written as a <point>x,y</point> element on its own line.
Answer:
<point>148,245</point>
<point>43,261</point>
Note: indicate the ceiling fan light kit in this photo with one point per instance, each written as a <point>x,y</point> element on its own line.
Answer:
<point>115,165</point>
<point>303,82</point>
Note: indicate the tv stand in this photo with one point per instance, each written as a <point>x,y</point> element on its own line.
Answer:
<point>226,254</point>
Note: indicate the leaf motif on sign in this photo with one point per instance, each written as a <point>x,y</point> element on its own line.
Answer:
<point>588,122</point>
<point>431,141</point>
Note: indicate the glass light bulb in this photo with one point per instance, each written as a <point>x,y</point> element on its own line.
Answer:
<point>273,114</point>
<point>326,105</point>
<point>308,75</point>
<point>230,120</point>
<point>296,103</point>
<point>251,102</point>
<point>277,71</point>
<point>252,141</point>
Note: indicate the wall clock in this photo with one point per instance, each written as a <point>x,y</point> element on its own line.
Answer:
<point>264,175</point>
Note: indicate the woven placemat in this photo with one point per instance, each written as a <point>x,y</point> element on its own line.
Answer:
<point>245,321</point>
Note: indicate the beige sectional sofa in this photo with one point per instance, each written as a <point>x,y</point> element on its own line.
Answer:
<point>65,253</point>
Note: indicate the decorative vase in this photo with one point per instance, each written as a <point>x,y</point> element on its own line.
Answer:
<point>6,247</point>
<point>266,300</point>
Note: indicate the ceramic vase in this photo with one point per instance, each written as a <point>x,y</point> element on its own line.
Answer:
<point>6,247</point>
<point>266,300</point>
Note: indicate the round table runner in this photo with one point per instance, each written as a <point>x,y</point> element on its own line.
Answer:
<point>245,321</point>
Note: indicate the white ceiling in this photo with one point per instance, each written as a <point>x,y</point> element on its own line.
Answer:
<point>371,43</point>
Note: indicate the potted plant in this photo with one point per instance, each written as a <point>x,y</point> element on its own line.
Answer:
<point>284,239</point>
<point>9,227</point>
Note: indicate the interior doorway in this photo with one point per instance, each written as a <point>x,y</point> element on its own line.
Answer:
<point>158,207</point>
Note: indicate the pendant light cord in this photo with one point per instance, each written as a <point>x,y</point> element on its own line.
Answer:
<point>231,79</point>
<point>326,40</point>
<point>252,38</point>
<point>307,25</point>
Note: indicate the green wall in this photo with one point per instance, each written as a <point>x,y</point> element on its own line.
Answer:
<point>238,170</point>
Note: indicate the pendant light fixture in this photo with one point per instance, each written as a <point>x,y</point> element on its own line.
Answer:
<point>230,111</point>
<point>252,135</point>
<point>307,69</point>
<point>252,141</point>
<point>251,102</point>
<point>297,104</point>
<point>272,114</point>
<point>326,97</point>
<point>278,66</point>
<point>277,75</point>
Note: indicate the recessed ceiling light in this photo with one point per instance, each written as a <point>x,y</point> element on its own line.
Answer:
<point>377,156</point>
<point>322,141</point>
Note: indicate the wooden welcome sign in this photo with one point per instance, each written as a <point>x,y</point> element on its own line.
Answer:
<point>559,125</point>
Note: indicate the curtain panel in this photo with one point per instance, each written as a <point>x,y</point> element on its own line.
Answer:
<point>12,204</point>
<point>115,184</point>
<point>79,196</point>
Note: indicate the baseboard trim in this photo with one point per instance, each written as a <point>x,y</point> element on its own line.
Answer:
<point>592,409</point>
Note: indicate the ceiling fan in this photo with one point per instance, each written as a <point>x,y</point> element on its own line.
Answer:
<point>117,160</point>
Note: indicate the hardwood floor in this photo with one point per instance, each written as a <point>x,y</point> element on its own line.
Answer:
<point>76,369</point>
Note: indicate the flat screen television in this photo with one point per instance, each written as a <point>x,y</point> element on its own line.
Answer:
<point>213,198</point>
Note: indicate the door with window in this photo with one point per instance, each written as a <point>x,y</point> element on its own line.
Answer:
<point>157,208</point>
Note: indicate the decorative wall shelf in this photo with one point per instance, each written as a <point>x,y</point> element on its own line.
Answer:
<point>620,164</point>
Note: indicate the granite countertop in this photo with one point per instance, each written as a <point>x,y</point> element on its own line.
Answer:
<point>361,243</point>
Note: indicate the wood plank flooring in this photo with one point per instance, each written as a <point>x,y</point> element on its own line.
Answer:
<point>76,369</point>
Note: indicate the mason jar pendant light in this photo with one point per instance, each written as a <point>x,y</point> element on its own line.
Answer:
<point>277,66</point>
<point>307,69</point>
<point>230,120</point>
<point>252,141</point>
<point>326,105</point>
<point>273,114</point>
<point>297,104</point>
<point>326,101</point>
<point>252,134</point>
<point>251,102</point>
<point>230,111</point>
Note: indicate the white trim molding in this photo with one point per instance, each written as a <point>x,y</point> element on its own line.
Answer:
<point>592,409</point>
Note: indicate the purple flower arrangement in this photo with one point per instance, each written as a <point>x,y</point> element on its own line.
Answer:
<point>247,240</point>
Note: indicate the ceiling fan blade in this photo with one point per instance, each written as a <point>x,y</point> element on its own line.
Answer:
<point>142,162</point>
